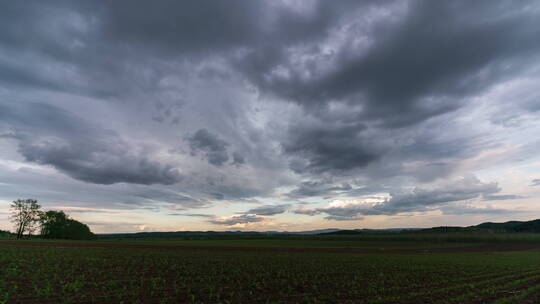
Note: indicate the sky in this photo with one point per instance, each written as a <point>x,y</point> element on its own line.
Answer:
<point>271,115</point>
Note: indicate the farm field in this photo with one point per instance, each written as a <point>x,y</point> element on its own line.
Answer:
<point>268,271</point>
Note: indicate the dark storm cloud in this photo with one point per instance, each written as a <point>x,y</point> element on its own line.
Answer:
<point>206,141</point>
<point>269,210</point>
<point>237,219</point>
<point>54,191</point>
<point>111,46</point>
<point>51,136</point>
<point>183,26</point>
<point>425,59</point>
<point>15,75</point>
<point>408,75</point>
<point>238,159</point>
<point>329,148</point>
<point>420,66</point>
<point>203,28</point>
<point>377,91</point>
<point>463,40</point>
<point>213,147</point>
<point>53,46</point>
<point>100,162</point>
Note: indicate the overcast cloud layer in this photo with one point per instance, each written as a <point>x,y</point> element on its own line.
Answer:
<point>271,115</point>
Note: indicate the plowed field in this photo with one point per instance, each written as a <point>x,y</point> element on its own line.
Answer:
<point>116,272</point>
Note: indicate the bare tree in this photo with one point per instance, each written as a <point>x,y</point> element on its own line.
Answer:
<point>25,215</point>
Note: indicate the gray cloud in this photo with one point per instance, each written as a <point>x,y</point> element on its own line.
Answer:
<point>174,200</point>
<point>462,54</point>
<point>462,47</point>
<point>213,147</point>
<point>342,218</point>
<point>310,212</point>
<point>463,189</point>
<point>56,190</point>
<point>89,210</point>
<point>115,165</point>
<point>237,219</point>
<point>459,57</point>
<point>329,148</point>
<point>535,182</point>
<point>240,23</point>
<point>467,209</point>
<point>269,210</point>
<point>502,197</point>
<point>52,136</point>
<point>238,159</point>
<point>192,215</point>
<point>418,200</point>
<point>318,188</point>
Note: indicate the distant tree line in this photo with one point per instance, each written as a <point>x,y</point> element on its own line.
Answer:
<point>29,218</point>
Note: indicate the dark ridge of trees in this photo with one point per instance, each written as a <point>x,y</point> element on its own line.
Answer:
<point>4,234</point>
<point>27,217</point>
<point>58,225</point>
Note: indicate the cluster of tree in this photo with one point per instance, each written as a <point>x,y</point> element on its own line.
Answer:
<point>28,217</point>
<point>4,233</point>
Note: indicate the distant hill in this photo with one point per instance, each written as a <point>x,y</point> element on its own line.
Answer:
<point>509,227</point>
<point>175,234</point>
<point>369,231</point>
<point>530,226</point>
<point>319,231</point>
<point>344,232</point>
<point>210,235</point>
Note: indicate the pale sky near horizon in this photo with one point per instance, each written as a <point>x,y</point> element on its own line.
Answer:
<point>271,115</point>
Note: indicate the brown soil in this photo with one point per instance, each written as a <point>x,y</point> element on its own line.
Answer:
<point>120,245</point>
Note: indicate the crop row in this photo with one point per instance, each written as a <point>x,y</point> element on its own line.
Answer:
<point>93,275</point>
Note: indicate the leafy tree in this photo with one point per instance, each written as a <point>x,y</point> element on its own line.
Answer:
<point>26,215</point>
<point>52,222</point>
<point>58,225</point>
